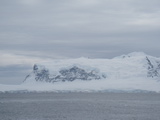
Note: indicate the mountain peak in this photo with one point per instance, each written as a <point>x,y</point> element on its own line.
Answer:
<point>133,54</point>
<point>137,54</point>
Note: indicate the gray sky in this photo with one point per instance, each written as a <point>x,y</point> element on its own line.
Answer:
<point>39,30</point>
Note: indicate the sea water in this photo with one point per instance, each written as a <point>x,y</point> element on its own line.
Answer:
<point>79,106</point>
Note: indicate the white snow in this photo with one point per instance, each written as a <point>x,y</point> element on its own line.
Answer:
<point>123,73</point>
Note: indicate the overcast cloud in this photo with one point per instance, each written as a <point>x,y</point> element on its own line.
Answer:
<point>39,30</point>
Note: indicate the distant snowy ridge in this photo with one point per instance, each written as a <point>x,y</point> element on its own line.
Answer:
<point>136,71</point>
<point>133,65</point>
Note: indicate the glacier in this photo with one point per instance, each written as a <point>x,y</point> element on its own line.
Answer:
<point>134,72</point>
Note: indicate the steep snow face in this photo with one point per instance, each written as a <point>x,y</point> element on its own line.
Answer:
<point>134,65</point>
<point>153,67</point>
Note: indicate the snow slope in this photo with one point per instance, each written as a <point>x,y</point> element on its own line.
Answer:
<point>128,73</point>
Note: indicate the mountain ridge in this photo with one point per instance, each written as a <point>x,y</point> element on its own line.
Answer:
<point>134,72</point>
<point>90,69</point>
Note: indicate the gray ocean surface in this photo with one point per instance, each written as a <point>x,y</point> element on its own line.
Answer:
<point>79,106</point>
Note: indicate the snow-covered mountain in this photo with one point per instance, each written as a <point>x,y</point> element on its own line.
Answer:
<point>134,71</point>
<point>133,65</point>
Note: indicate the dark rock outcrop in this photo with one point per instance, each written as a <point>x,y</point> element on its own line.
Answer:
<point>153,70</point>
<point>70,74</point>
<point>77,73</point>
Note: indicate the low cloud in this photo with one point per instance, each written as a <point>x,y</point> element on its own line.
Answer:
<point>8,59</point>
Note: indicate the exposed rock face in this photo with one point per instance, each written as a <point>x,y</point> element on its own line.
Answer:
<point>41,75</point>
<point>153,69</point>
<point>70,74</point>
<point>78,73</point>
